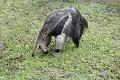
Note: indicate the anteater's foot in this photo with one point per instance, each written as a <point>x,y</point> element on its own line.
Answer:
<point>56,53</point>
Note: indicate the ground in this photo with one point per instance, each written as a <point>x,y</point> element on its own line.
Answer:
<point>97,58</point>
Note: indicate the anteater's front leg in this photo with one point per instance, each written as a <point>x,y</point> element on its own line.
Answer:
<point>60,41</point>
<point>45,46</point>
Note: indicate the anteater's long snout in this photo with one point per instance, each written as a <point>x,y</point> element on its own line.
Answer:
<point>35,49</point>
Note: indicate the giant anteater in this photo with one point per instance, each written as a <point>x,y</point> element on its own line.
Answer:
<point>61,24</point>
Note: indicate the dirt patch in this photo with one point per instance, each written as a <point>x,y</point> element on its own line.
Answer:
<point>19,58</point>
<point>15,60</point>
<point>3,46</point>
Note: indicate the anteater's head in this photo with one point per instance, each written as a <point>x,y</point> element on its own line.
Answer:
<point>41,43</point>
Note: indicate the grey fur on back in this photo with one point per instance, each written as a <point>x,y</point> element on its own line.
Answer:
<point>54,18</point>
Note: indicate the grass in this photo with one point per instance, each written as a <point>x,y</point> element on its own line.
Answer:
<point>97,58</point>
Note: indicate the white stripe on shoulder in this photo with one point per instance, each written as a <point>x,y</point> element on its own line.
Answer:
<point>68,22</point>
<point>74,10</point>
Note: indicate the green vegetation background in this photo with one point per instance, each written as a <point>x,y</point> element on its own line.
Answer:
<point>97,58</point>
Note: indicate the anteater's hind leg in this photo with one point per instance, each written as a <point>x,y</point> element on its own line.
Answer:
<point>77,34</point>
<point>76,41</point>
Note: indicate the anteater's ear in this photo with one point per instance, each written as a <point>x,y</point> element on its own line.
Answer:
<point>83,22</point>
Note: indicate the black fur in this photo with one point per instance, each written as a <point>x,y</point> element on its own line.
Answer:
<point>59,27</point>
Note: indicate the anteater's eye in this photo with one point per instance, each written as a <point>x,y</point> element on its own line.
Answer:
<point>42,38</point>
<point>45,33</point>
